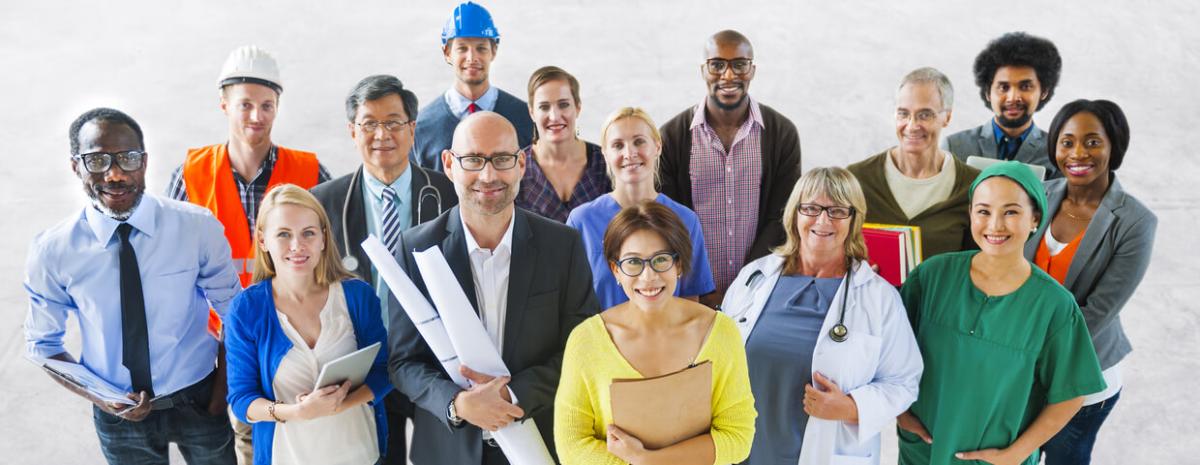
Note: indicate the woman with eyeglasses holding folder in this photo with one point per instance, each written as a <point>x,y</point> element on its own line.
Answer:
<point>831,354</point>
<point>653,334</point>
<point>304,310</point>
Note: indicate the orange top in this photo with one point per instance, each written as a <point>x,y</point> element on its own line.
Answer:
<point>208,178</point>
<point>1057,265</point>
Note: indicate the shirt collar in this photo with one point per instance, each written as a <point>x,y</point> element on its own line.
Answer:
<point>698,118</point>
<point>505,242</point>
<point>402,185</point>
<point>142,220</point>
<point>458,103</point>
<point>1000,135</point>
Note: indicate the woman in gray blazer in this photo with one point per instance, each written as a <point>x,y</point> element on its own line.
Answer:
<point>1097,245</point>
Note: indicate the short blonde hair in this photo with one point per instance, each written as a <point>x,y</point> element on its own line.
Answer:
<point>843,189</point>
<point>635,113</point>
<point>329,268</point>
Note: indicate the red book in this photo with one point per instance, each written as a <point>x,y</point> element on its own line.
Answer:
<point>886,249</point>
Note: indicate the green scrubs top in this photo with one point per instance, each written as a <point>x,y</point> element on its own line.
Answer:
<point>992,363</point>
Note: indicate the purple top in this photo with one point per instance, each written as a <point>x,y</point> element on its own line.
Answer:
<point>538,195</point>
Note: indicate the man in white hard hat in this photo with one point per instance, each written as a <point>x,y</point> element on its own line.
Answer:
<point>469,43</point>
<point>232,177</point>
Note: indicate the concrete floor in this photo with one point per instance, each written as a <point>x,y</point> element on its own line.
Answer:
<point>830,66</point>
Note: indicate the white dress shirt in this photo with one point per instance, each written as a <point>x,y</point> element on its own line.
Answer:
<point>490,271</point>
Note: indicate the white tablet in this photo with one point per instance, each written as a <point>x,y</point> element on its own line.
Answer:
<point>352,366</point>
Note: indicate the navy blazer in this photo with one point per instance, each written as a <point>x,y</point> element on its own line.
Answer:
<point>549,293</point>
<point>1108,265</point>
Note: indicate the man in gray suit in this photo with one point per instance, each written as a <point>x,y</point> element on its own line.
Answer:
<point>528,278</point>
<point>384,196</point>
<point>1016,75</point>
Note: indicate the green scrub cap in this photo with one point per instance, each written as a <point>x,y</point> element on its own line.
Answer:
<point>1024,177</point>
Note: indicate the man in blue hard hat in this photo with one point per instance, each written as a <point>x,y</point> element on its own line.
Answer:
<point>469,43</point>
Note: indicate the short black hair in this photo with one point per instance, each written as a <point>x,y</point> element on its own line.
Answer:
<point>376,87</point>
<point>103,114</point>
<point>1116,127</point>
<point>1019,49</point>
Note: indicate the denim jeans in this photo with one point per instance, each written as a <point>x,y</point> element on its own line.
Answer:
<point>202,439</point>
<point>1073,444</point>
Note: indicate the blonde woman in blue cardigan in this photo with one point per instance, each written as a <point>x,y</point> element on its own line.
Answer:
<point>303,311</point>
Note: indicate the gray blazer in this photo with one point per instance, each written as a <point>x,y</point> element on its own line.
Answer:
<point>549,293</point>
<point>431,194</point>
<point>981,141</point>
<point>1111,260</point>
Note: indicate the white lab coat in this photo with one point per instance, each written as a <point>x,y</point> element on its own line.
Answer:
<point>878,364</point>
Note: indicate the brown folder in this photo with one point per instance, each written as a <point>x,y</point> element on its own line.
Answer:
<point>667,409</point>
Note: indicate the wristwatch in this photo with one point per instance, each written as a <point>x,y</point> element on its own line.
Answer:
<point>452,414</point>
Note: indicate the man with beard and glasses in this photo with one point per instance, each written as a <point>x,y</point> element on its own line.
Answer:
<point>139,273</point>
<point>470,41</point>
<point>733,161</point>
<point>530,281</point>
<point>1016,74</point>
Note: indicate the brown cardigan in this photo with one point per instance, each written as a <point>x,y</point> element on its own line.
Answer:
<point>945,226</point>
<point>781,170</point>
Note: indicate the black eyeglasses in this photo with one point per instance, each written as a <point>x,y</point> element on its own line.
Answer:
<point>660,262</point>
<point>100,162</point>
<point>834,212</point>
<point>504,161</point>
<point>389,126</point>
<point>718,66</point>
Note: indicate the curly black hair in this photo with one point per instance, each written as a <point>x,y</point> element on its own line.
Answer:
<point>1116,127</point>
<point>1019,49</point>
<point>103,114</point>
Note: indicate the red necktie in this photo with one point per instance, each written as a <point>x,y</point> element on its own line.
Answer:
<point>472,108</point>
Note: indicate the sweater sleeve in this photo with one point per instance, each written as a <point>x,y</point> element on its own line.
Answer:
<point>733,403</point>
<point>370,330</point>
<point>242,357</point>
<point>574,417</point>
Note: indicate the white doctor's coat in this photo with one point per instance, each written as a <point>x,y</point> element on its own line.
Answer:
<point>878,364</point>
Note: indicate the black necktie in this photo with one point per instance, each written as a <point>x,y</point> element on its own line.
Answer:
<point>135,338</point>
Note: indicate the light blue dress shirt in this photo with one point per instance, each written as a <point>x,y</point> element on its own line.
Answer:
<point>458,104</point>
<point>74,269</point>
<point>373,196</point>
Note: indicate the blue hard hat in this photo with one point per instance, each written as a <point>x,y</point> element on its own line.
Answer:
<point>470,20</point>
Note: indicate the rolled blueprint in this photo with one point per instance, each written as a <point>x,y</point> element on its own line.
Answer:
<point>456,336</point>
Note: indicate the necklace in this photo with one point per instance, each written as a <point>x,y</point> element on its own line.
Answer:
<point>1079,218</point>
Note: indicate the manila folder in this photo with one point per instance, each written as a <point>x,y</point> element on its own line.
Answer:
<point>664,410</point>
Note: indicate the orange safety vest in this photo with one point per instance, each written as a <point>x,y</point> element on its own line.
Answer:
<point>208,178</point>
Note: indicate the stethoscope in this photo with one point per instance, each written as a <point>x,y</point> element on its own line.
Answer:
<point>839,332</point>
<point>349,260</point>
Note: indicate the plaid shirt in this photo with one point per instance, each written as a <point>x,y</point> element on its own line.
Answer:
<point>251,192</point>
<point>725,187</point>
<point>538,195</point>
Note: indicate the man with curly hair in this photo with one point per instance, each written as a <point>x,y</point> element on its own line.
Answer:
<point>1016,74</point>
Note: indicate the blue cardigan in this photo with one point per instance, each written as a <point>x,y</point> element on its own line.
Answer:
<point>255,344</point>
<point>435,128</point>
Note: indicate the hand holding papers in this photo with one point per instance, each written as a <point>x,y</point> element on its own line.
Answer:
<point>456,337</point>
<point>85,379</point>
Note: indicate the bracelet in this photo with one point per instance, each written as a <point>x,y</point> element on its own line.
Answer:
<point>271,411</point>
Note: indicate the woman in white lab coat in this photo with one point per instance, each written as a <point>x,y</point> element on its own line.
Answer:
<point>831,354</point>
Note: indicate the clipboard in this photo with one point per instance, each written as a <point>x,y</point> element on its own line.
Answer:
<point>667,409</point>
<point>352,366</point>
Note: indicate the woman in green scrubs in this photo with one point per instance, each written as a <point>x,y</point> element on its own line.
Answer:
<point>1007,353</point>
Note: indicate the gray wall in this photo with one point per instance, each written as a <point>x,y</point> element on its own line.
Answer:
<point>830,66</point>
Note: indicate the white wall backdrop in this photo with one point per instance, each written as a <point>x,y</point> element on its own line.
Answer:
<point>830,66</point>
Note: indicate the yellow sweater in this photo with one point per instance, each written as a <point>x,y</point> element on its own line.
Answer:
<point>582,408</point>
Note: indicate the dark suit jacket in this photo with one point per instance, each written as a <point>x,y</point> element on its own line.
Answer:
<point>332,195</point>
<point>1109,264</point>
<point>981,141</point>
<point>549,293</point>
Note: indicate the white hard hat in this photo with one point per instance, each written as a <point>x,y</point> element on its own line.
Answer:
<point>250,64</point>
